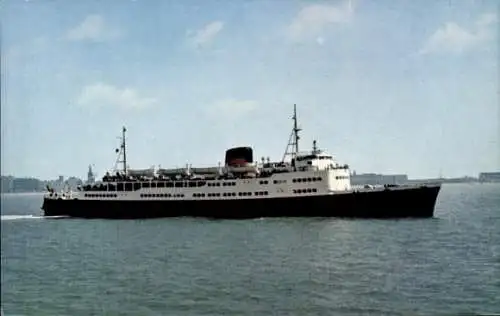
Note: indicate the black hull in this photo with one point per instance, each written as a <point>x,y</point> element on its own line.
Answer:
<point>398,203</point>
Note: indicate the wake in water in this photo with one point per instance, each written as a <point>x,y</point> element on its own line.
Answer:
<point>14,217</point>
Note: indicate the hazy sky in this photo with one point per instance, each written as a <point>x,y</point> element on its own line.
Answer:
<point>386,86</point>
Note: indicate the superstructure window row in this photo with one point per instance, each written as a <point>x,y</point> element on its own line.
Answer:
<point>134,186</point>
<point>218,184</point>
<point>312,179</point>
<point>227,194</point>
<point>100,195</point>
<point>306,190</point>
<point>260,193</point>
<point>156,195</point>
<point>341,177</point>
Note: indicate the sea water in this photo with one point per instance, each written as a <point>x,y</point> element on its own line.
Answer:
<point>446,265</point>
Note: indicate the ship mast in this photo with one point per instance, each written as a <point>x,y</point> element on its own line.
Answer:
<point>293,141</point>
<point>295,129</point>
<point>122,150</point>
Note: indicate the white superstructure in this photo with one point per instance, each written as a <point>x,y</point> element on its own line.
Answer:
<point>313,172</point>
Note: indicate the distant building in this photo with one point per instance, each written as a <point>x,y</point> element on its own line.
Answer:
<point>7,184</point>
<point>378,179</point>
<point>10,184</point>
<point>26,185</point>
<point>90,176</point>
<point>489,177</point>
<point>73,183</point>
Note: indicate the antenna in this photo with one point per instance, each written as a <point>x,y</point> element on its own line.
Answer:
<point>293,141</point>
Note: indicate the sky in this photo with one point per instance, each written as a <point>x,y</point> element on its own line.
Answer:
<point>407,87</point>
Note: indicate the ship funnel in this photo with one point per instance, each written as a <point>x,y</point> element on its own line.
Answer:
<point>239,156</point>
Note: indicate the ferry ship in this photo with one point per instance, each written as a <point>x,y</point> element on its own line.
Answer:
<point>307,184</point>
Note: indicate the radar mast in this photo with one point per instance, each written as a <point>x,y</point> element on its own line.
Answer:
<point>292,148</point>
<point>122,151</point>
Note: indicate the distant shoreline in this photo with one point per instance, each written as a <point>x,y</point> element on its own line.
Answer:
<point>23,193</point>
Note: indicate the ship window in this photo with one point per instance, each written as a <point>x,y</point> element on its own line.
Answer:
<point>120,186</point>
<point>160,184</point>
<point>169,184</point>
<point>192,184</point>
<point>137,186</point>
<point>146,184</point>
<point>179,184</point>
